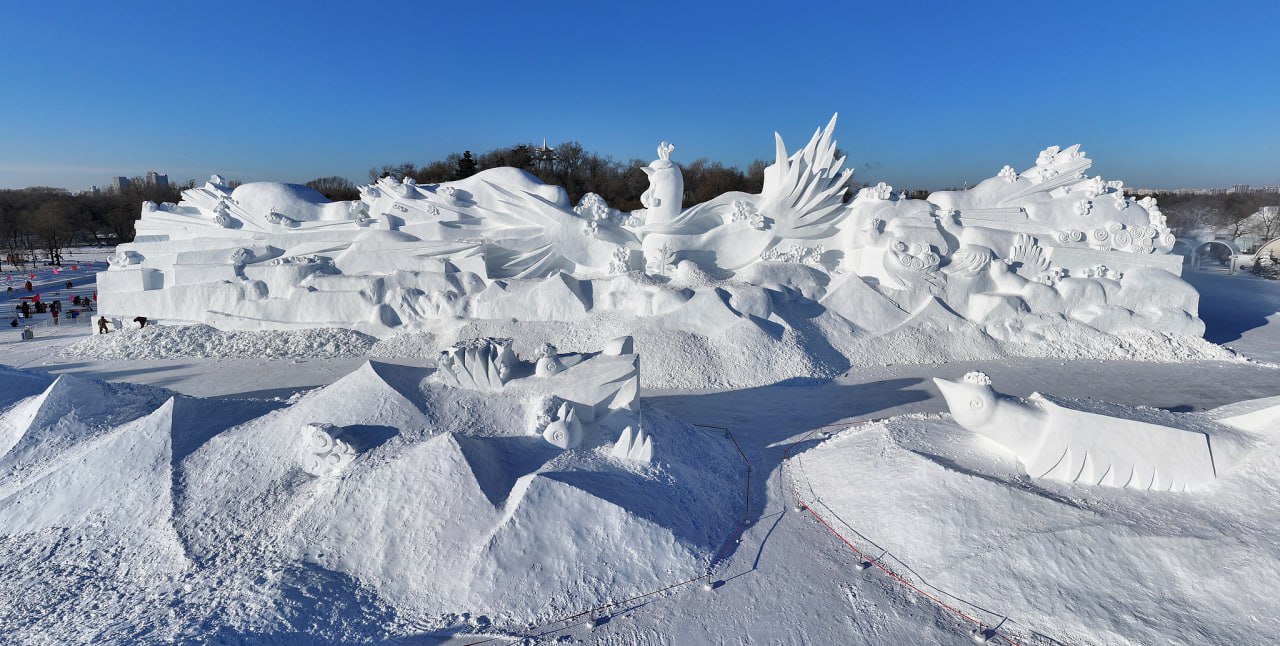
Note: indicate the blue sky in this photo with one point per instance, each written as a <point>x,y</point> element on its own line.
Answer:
<point>933,94</point>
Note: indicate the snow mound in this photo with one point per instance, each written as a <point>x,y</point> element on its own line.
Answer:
<point>70,413</point>
<point>173,341</point>
<point>1150,346</point>
<point>188,518</point>
<point>1081,564</point>
<point>752,354</point>
<point>743,355</point>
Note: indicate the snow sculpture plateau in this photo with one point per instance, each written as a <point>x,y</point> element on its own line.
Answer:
<point>406,474</point>
<point>1103,444</point>
<point>1020,253</point>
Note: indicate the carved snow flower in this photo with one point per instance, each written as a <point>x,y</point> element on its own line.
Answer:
<point>1047,156</point>
<point>621,261</point>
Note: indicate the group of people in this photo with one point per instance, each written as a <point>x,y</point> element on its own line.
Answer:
<point>26,308</point>
<point>32,305</point>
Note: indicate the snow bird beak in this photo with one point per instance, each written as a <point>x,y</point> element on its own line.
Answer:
<point>951,391</point>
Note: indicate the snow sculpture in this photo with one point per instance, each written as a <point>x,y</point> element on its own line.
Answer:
<point>565,429</point>
<point>634,445</point>
<point>548,362</point>
<point>1013,256</point>
<point>1061,440</point>
<point>323,452</point>
<point>577,393</point>
<point>481,364</point>
<point>124,258</point>
<point>665,196</point>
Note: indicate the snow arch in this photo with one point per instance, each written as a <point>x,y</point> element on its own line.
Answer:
<point>1272,247</point>
<point>1232,250</point>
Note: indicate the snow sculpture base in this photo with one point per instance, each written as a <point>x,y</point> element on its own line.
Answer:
<point>414,476</point>
<point>1092,442</point>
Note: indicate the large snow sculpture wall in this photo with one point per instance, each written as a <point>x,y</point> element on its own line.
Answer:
<point>1021,251</point>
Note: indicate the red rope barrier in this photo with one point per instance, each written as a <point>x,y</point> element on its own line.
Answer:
<point>862,555</point>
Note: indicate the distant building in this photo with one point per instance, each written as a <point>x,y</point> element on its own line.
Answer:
<point>1139,192</point>
<point>1235,188</point>
<point>119,185</point>
<point>158,180</point>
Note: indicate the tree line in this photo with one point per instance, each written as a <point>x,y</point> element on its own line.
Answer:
<point>574,168</point>
<point>1236,215</point>
<point>42,221</point>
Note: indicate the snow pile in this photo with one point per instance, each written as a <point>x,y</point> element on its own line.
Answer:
<point>1081,564</point>
<point>409,344</point>
<point>742,355</point>
<point>748,355</point>
<point>174,341</point>
<point>180,519</point>
<point>1080,342</point>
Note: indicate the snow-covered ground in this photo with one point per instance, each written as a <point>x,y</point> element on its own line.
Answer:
<point>137,520</point>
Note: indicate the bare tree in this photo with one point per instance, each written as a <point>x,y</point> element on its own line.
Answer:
<point>1263,225</point>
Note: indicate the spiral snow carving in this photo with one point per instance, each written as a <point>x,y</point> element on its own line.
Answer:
<point>323,452</point>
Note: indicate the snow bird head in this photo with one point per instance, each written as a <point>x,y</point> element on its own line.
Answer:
<point>972,400</point>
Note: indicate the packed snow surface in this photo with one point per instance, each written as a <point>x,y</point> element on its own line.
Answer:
<point>1083,564</point>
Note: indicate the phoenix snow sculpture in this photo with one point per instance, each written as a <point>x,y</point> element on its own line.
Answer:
<point>1023,251</point>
